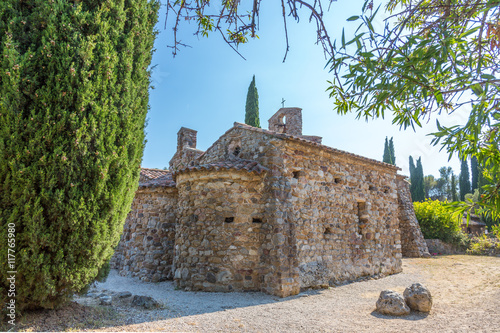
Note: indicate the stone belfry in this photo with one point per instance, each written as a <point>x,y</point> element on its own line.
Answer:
<point>287,120</point>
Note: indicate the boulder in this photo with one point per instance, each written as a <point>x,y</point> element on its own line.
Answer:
<point>124,294</point>
<point>392,303</point>
<point>418,298</point>
<point>105,300</point>
<point>145,302</point>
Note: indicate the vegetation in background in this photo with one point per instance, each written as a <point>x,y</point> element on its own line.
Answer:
<point>474,170</point>
<point>438,222</point>
<point>486,245</point>
<point>74,96</point>
<point>431,57</point>
<point>454,193</point>
<point>389,154</point>
<point>417,180</point>
<point>252,105</point>
<point>464,180</point>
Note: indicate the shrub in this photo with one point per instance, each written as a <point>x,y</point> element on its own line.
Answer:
<point>438,222</point>
<point>74,87</point>
<point>484,245</point>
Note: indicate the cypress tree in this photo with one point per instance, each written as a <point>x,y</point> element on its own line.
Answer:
<point>474,166</point>
<point>387,155</point>
<point>252,106</point>
<point>73,102</point>
<point>392,152</point>
<point>419,187</point>
<point>464,180</point>
<point>413,180</point>
<point>454,194</point>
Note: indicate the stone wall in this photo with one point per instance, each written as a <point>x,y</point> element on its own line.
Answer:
<point>412,240</point>
<point>278,249</point>
<point>333,215</point>
<point>220,231</point>
<point>345,215</point>
<point>436,246</point>
<point>146,246</point>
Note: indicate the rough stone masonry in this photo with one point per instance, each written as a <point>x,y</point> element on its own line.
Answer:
<point>268,210</point>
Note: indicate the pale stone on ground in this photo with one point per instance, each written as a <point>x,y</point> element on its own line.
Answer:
<point>392,303</point>
<point>418,298</point>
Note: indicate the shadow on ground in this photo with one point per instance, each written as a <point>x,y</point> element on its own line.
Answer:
<point>413,316</point>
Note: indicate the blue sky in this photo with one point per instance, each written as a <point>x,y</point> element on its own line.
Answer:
<point>204,88</point>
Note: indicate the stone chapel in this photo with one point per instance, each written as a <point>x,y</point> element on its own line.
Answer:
<point>268,210</point>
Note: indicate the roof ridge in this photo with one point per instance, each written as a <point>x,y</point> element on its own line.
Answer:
<point>312,143</point>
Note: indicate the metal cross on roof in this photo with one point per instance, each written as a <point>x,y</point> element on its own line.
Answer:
<point>283,102</point>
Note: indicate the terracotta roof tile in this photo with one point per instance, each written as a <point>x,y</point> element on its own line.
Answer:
<point>153,173</point>
<point>239,164</point>
<point>164,180</point>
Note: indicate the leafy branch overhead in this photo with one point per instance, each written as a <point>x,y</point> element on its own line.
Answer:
<point>429,57</point>
<point>236,21</point>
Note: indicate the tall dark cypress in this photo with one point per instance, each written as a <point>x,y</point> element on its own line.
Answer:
<point>419,187</point>
<point>387,155</point>
<point>413,180</point>
<point>252,106</point>
<point>392,152</point>
<point>474,166</point>
<point>73,103</point>
<point>454,194</point>
<point>464,180</point>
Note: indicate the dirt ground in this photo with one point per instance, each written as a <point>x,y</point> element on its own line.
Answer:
<point>465,290</point>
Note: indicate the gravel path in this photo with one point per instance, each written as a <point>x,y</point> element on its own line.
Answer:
<point>466,293</point>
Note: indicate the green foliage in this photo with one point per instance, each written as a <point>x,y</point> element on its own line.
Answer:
<point>389,154</point>
<point>74,83</point>
<point>484,245</point>
<point>102,276</point>
<point>438,222</point>
<point>252,105</point>
<point>429,185</point>
<point>474,168</point>
<point>417,189</point>
<point>464,180</point>
<point>430,58</point>
<point>454,194</point>
<point>392,152</point>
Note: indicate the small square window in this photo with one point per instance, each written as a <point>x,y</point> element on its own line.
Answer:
<point>229,219</point>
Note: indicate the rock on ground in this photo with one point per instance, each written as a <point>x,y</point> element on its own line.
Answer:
<point>105,300</point>
<point>392,303</point>
<point>145,301</point>
<point>418,298</point>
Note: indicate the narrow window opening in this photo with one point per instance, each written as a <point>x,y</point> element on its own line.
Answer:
<point>328,231</point>
<point>229,219</point>
<point>362,216</point>
<point>372,188</point>
<point>257,220</point>
<point>237,151</point>
<point>296,174</point>
<point>337,180</point>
